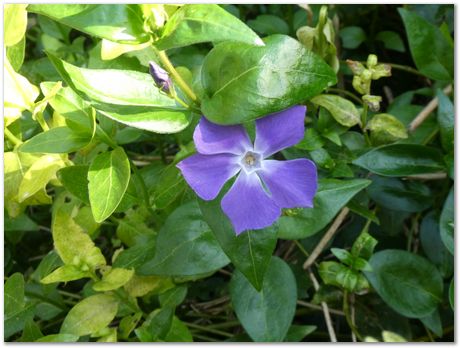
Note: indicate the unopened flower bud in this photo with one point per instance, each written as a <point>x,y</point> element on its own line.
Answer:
<point>371,60</point>
<point>356,67</point>
<point>381,70</point>
<point>160,76</point>
<point>366,75</point>
<point>373,101</point>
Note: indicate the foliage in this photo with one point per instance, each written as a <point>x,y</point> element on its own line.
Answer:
<point>105,241</point>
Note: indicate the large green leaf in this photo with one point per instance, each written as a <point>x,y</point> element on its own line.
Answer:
<point>432,53</point>
<point>129,97</point>
<point>14,23</point>
<point>266,315</point>
<point>408,283</point>
<point>401,160</point>
<point>446,223</point>
<point>90,315</point>
<point>332,195</point>
<point>196,23</point>
<point>185,246</point>
<point>250,252</point>
<point>343,110</point>
<point>108,178</point>
<point>75,180</point>
<point>115,22</point>
<point>57,140</point>
<point>446,120</point>
<point>243,82</point>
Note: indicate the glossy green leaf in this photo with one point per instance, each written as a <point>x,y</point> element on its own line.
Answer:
<point>352,37</point>
<point>75,180</point>
<point>446,120</point>
<point>402,196</point>
<point>269,24</point>
<point>170,186</point>
<point>173,297</point>
<point>56,140</point>
<point>266,315</point>
<point>197,23</point>
<point>343,110</point>
<point>401,160</point>
<point>433,246</point>
<point>244,82</point>
<point>446,223</point>
<point>297,333</point>
<point>364,246</point>
<point>433,322</point>
<point>432,53</point>
<point>408,283</point>
<point>108,178</point>
<point>14,23</point>
<point>250,252</point>
<point>337,274</point>
<point>65,273</point>
<point>31,332</point>
<point>129,97</point>
<point>113,279</point>
<point>16,53</point>
<point>58,338</point>
<point>178,332</point>
<point>90,315</point>
<point>185,246</point>
<point>391,40</point>
<point>115,22</point>
<point>386,128</point>
<point>332,195</point>
<point>72,244</point>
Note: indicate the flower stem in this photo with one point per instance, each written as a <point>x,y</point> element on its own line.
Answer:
<point>175,75</point>
<point>364,123</point>
<point>405,68</point>
<point>346,310</point>
<point>347,93</point>
<point>11,137</point>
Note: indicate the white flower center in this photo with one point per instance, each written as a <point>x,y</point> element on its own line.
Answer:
<point>251,161</point>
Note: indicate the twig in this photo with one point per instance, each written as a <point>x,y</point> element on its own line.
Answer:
<point>327,316</point>
<point>206,329</point>
<point>428,176</point>
<point>314,306</point>
<point>423,115</point>
<point>326,238</point>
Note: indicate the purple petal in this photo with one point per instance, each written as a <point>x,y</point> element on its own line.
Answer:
<point>279,130</point>
<point>206,174</point>
<point>211,138</point>
<point>292,183</point>
<point>247,204</point>
<point>160,76</point>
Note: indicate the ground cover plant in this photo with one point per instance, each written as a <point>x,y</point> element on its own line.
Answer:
<point>268,173</point>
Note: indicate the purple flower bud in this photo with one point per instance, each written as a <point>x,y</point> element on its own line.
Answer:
<point>160,76</point>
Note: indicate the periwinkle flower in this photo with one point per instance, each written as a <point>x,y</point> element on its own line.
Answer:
<point>263,186</point>
<point>160,76</point>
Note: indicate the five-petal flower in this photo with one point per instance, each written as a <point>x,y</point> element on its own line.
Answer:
<point>263,186</point>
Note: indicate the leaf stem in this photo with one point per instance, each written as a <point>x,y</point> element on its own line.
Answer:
<point>105,137</point>
<point>405,68</point>
<point>175,75</point>
<point>11,137</point>
<point>210,330</point>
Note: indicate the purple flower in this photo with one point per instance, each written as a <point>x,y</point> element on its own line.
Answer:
<point>263,186</point>
<point>160,76</point>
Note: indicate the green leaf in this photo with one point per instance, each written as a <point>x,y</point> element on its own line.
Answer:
<point>446,223</point>
<point>364,246</point>
<point>31,332</point>
<point>397,195</point>
<point>297,333</point>
<point>386,128</point>
<point>185,246</point>
<point>269,24</point>
<point>156,326</point>
<point>197,23</point>
<point>250,252</point>
<point>113,279</point>
<point>401,160</point>
<point>75,180</point>
<point>446,120</point>
<point>433,246</point>
<point>90,315</point>
<point>38,176</point>
<point>268,314</point>
<point>135,256</point>
<point>65,273</point>
<point>173,297</point>
<point>433,322</point>
<point>56,140</point>
<point>16,53</point>
<point>408,283</point>
<point>14,23</point>
<point>114,22</point>
<point>352,37</point>
<point>73,245</point>
<point>108,178</point>
<point>432,53</point>
<point>133,100</point>
<point>391,40</point>
<point>452,293</point>
<point>58,338</point>
<point>343,110</point>
<point>170,186</point>
<point>244,82</point>
<point>178,332</point>
<point>343,255</point>
<point>332,195</point>
<point>337,274</point>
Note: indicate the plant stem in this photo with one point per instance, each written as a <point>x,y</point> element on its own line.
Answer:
<point>405,68</point>
<point>364,123</point>
<point>346,310</point>
<point>175,75</point>
<point>347,93</point>
<point>205,328</point>
<point>105,137</point>
<point>11,137</point>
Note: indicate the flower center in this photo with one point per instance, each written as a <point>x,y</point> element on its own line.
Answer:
<point>251,161</point>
